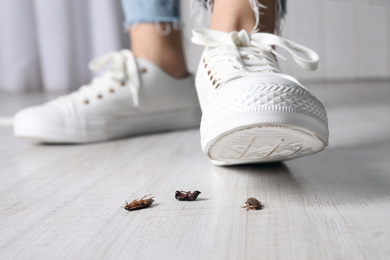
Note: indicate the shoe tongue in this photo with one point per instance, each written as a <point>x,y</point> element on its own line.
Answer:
<point>115,72</point>
<point>115,75</point>
<point>111,65</point>
<point>242,38</point>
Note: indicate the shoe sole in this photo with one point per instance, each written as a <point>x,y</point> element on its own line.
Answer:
<point>265,141</point>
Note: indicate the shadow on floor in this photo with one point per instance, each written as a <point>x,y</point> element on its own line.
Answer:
<point>352,175</point>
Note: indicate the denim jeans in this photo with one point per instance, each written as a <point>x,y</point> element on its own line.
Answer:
<point>149,11</point>
<point>167,11</point>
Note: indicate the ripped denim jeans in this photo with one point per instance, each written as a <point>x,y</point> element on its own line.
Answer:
<point>168,11</point>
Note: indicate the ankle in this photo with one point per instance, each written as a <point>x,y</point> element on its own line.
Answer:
<point>232,15</point>
<point>166,51</point>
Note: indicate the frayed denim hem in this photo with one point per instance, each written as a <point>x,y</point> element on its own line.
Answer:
<point>168,11</point>
<point>151,11</point>
<point>281,11</point>
<point>176,23</point>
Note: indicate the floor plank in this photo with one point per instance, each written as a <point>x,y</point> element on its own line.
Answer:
<point>65,201</point>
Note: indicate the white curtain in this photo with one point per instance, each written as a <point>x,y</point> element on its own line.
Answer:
<point>47,44</point>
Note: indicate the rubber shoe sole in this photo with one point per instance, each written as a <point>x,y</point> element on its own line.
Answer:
<point>285,137</point>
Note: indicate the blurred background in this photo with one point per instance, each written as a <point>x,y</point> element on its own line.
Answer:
<point>45,45</point>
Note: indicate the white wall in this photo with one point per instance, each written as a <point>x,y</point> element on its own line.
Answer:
<point>352,38</point>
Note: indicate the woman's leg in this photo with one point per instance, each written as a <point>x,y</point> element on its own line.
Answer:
<point>259,16</point>
<point>233,15</point>
<point>155,34</point>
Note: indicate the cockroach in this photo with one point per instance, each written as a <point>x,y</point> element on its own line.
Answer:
<point>139,203</point>
<point>252,203</point>
<point>186,195</point>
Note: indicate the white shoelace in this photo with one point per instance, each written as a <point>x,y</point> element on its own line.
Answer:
<point>248,52</point>
<point>121,69</point>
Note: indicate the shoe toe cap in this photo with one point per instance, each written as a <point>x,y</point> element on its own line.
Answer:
<point>39,118</point>
<point>242,98</point>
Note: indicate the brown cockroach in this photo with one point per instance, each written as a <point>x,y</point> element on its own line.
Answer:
<point>139,203</point>
<point>187,195</point>
<point>252,203</point>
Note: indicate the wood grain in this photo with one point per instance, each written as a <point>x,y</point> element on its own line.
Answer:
<point>64,201</point>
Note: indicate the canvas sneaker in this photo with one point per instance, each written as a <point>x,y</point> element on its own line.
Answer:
<point>252,112</point>
<point>132,96</point>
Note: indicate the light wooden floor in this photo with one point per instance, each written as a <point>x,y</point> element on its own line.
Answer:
<point>64,201</point>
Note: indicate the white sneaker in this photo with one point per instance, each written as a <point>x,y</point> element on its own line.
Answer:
<point>133,96</point>
<point>251,111</point>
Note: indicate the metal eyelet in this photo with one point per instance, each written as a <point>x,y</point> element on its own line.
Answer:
<point>111,90</point>
<point>144,70</point>
<point>99,96</point>
<point>85,101</point>
<point>123,83</point>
